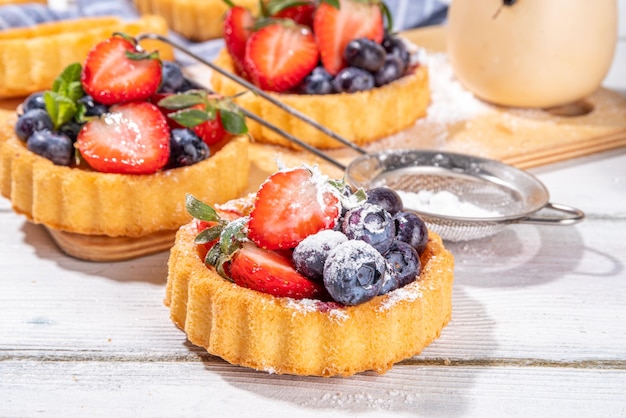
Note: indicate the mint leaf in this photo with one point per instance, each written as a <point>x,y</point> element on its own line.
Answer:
<point>233,122</point>
<point>60,108</point>
<point>200,210</point>
<point>61,101</point>
<point>190,117</point>
<point>182,101</point>
<point>209,234</point>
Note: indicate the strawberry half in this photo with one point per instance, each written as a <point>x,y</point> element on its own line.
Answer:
<point>271,272</point>
<point>237,27</point>
<point>133,138</point>
<point>116,72</point>
<point>335,28</point>
<point>291,205</point>
<point>280,55</point>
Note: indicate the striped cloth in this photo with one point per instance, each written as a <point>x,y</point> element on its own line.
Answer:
<point>406,14</point>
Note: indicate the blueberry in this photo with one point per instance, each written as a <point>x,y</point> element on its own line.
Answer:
<point>411,229</point>
<point>354,272</point>
<point>71,129</point>
<point>392,69</point>
<point>364,53</point>
<point>403,266</point>
<point>32,121</point>
<point>54,146</point>
<point>395,46</point>
<point>386,198</point>
<point>352,79</point>
<point>93,108</point>
<point>372,224</point>
<point>172,79</point>
<point>34,101</point>
<point>310,255</point>
<point>319,81</point>
<point>186,148</point>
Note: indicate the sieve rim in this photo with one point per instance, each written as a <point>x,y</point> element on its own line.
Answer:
<point>426,160</point>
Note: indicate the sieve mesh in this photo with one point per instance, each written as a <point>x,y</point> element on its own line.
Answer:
<point>507,193</point>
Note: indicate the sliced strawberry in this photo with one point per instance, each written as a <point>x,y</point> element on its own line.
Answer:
<point>133,138</point>
<point>115,72</point>
<point>237,27</point>
<point>299,13</point>
<point>335,28</point>
<point>271,272</point>
<point>291,205</point>
<point>280,55</point>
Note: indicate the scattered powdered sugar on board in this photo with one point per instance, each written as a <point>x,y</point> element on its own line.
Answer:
<point>450,101</point>
<point>443,203</point>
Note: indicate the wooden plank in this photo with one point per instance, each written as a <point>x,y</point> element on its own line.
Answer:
<point>206,388</point>
<point>509,299</point>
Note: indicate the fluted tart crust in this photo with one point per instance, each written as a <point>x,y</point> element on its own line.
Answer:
<point>307,337</point>
<point>361,117</point>
<point>91,203</point>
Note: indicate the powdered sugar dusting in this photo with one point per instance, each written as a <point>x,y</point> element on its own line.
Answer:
<point>408,293</point>
<point>443,203</point>
<point>450,101</point>
<point>304,306</point>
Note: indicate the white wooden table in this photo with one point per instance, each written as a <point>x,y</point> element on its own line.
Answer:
<point>538,328</point>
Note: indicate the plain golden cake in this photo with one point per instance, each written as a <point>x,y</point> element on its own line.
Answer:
<point>31,57</point>
<point>197,20</point>
<point>340,67</point>
<point>109,152</point>
<point>255,299</point>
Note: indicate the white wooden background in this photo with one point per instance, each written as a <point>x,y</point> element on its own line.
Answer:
<point>538,327</point>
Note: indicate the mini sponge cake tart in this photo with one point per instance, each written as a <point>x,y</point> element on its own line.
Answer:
<point>98,206</point>
<point>361,117</point>
<point>31,57</point>
<point>307,337</point>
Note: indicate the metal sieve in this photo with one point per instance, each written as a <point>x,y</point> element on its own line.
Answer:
<point>512,194</point>
<point>504,193</point>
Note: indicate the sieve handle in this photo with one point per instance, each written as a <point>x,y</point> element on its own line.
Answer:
<point>569,216</point>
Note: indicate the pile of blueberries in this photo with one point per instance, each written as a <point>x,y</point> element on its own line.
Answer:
<point>374,249</point>
<point>369,65</point>
<point>35,128</point>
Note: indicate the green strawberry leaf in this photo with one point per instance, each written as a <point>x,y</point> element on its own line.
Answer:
<point>233,122</point>
<point>200,210</point>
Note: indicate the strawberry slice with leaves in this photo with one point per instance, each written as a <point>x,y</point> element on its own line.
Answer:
<point>224,245</point>
<point>133,138</point>
<point>212,117</point>
<point>271,272</point>
<point>117,71</point>
<point>237,27</point>
<point>335,27</point>
<point>291,205</point>
<point>280,54</point>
